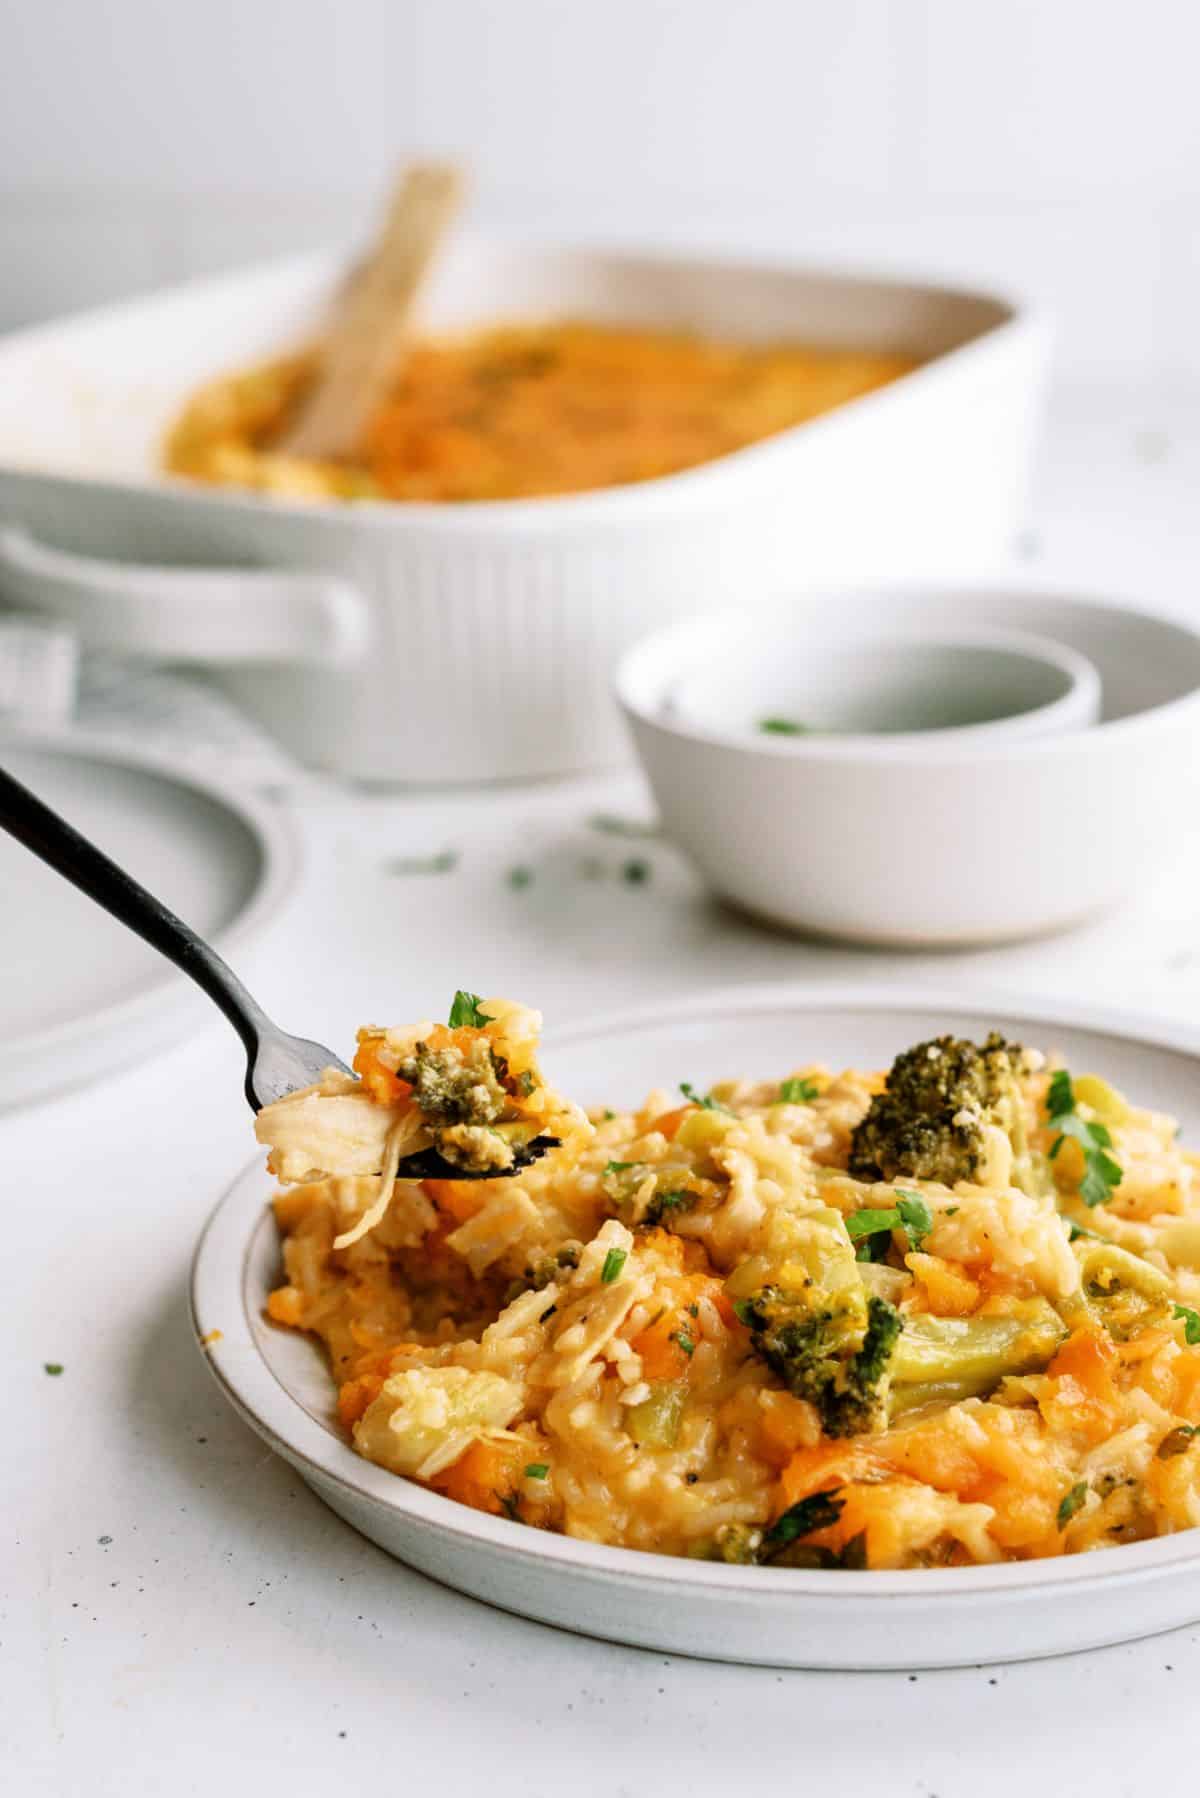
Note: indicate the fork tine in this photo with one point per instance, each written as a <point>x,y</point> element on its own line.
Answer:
<point>429,1165</point>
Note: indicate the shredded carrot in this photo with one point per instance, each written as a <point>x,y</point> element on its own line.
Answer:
<point>355,1395</point>
<point>1090,1359</point>
<point>457,1199</point>
<point>785,1425</point>
<point>382,1083</point>
<point>668,1124</point>
<point>483,1477</point>
<point>658,1346</point>
<point>819,1469</point>
<point>942,1286</point>
<point>286,1306</point>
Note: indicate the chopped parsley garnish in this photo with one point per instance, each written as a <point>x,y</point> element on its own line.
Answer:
<point>1191,1323</point>
<point>444,862</point>
<point>636,871</point>
<point>782,727</point>
<point>798,1092</point>
<point>620,1167</point>
<point>1074,1231</point>
<point>1177,1441</point>
<point>613,826</point>
<point>614,1261</point>
<point>1101,1173</point>
<point>816,1512</point>
<point>465,1010</point>
<point>915,1216</point>
<point>537,1470</point>
<point>706,1103</point>
<point>52,1367</point>
<point>1071,1503</point>
<point>871,1227</point>
<point>685,1342</point>
<point>520,877</point>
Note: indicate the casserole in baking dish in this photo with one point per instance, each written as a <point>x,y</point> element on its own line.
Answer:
<point>344,627</point>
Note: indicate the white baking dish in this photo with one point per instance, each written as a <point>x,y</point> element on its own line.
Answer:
<point>447,642</point>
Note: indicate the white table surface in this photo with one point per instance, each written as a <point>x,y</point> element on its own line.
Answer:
<point>179,1614</point>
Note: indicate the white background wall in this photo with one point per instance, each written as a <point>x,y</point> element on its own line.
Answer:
<point>1050,145</point>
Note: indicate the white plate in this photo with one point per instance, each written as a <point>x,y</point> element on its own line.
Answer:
<point>79,994</point>
<point>772,1616</point>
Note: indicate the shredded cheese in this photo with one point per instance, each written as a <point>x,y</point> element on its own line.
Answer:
<point>398,1136</point>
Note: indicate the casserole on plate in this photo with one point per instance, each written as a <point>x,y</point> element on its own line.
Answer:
<point>346,627</point>
<point>783,1616</point>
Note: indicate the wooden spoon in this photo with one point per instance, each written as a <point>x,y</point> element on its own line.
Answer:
<point>364,350</point>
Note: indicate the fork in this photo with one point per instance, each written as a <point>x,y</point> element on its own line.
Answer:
<point>276,1063</point>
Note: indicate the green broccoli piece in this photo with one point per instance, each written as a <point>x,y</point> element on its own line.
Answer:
<point>834,1351</point>
<point>664,1204</point>
<point>928,1123</point>
<point>737,1543</point>
<point>451,1087</point>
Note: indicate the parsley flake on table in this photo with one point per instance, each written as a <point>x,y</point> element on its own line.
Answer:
<point>444,862</point>
<point>52,1367</point>
<point>1102,1175</point>
<point>613,826</point>
<point>799,1090</point>
<point>782,727</point>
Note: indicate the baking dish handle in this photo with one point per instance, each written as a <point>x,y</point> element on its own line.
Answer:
<point>170,614</point>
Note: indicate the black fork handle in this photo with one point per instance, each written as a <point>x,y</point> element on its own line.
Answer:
<point>62,847</point>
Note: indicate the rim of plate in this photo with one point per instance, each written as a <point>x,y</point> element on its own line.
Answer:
<point>267,824</point>
<point>237,1363</point>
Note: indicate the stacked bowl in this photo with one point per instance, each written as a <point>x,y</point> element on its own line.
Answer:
<point>921,766</point>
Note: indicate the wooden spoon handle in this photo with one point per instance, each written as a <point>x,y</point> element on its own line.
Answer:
<point>363,352</point>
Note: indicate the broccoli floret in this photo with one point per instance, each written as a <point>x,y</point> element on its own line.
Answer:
<point>861,1405</point>
<point>451,1087</point>
<point>666,1204</point>
<point>476,1148</point>
<point>460,1095</point>
<point>833,1351</point>
<point>929,1123</point>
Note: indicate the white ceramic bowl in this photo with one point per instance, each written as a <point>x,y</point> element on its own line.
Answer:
<point>986,686</point>
<point>777,1616</point>
<point>451,642</point>
<point>913,842</point>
